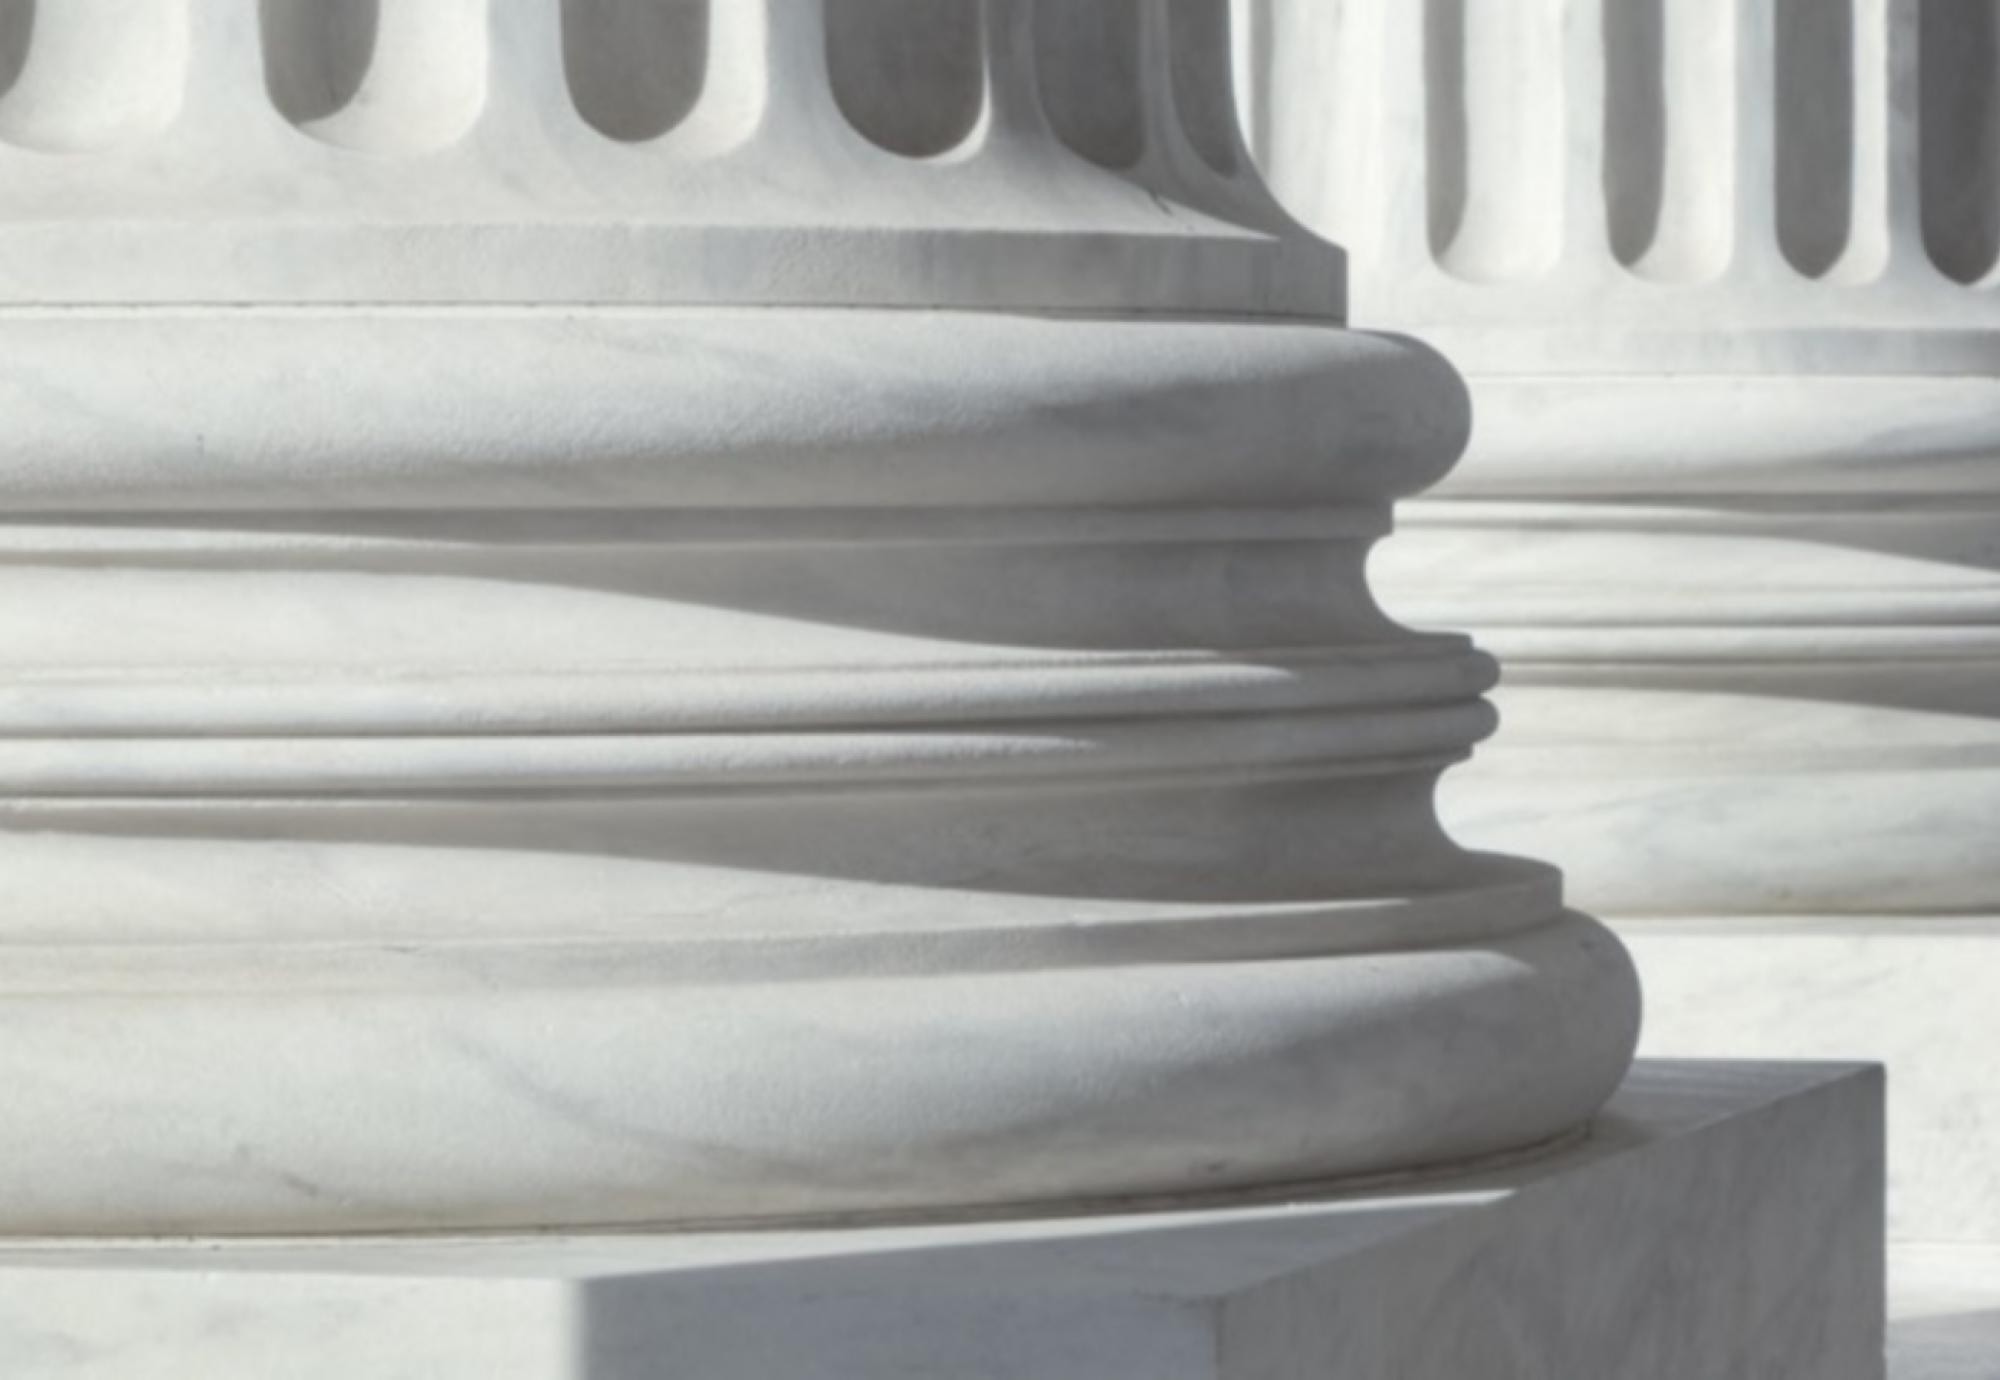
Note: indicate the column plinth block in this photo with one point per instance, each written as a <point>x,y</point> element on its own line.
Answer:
<point>1718,1222</point>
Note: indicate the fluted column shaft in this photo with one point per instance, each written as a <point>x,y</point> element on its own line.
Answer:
<point>800,151</point>
<point>1732,483</point>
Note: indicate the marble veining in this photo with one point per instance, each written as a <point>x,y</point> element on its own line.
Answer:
<point>1720,279</point>
<point>619,614</point>
<point>1719,1222</point>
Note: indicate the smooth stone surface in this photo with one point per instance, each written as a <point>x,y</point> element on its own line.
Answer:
<point>669,773</point>
<point>1643,173</point>
<point>1017,154</point>
<point>1944,1312</point>
<point>1910,992</point>
<point>1728,513</point>
<point>1722,1221</point>
<point>1716,275</point>
<point>1751,627</point>
<point>622,613</point>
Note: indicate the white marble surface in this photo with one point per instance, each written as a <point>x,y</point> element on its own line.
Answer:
<point>1717,273</point>
<point>1728,516</point>
<point>1944,1312</point>
<point>772,787</point>
<point>1607,185</point>
<point>619,614</point>
<point>1722,1221</point>
<point>1750,659</point>
<point>1016,154</point>
<point>1909,992</point>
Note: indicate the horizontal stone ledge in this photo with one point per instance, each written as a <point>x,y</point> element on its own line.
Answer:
<point>247,697</point>
<point>1475,899</point>
<point>1139,258</point>
<point>1572,435</point>
<point>1965,636</point>
<point>1388,740</point>
<point>1725,1211</point>
<point>626,1103</point>
<point>373,410</point>
<point>249,539</point>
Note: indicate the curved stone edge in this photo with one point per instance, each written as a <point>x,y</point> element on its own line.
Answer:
<point>627,1104</point>
<point>1743,616</point>
<point>1685,832</point>
<point>1577,435</point>
<point>156,410</point>
<point>1138,260</point>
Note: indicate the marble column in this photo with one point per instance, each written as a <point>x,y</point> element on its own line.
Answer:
<point>628,613</point>
<point>1720,276</point>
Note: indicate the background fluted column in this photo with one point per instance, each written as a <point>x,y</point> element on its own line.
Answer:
<point>627,613</point>
<point>1719,273</point>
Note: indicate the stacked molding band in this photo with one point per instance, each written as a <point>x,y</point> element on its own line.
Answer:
<point>582,655</point>
<point>1720,276</point>
<point>1728,514</point>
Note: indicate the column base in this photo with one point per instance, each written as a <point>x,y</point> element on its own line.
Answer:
<point>1723,1219</point>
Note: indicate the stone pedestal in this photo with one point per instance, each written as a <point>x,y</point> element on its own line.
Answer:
<point>1721,1221</point>
<point>1716,274</point>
